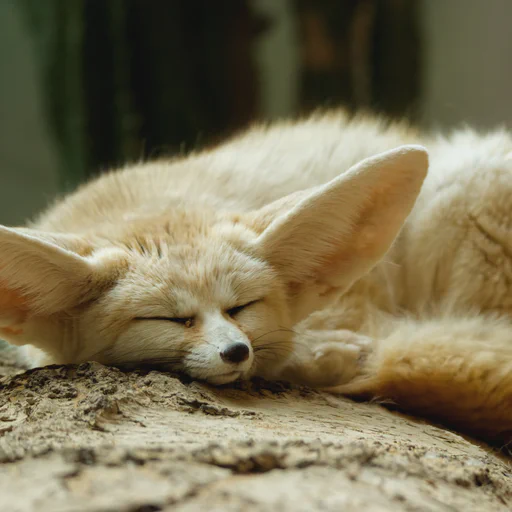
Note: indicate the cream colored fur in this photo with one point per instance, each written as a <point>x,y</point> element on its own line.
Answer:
<point>301,223</point>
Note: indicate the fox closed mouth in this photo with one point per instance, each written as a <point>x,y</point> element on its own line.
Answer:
<point>225,378</point>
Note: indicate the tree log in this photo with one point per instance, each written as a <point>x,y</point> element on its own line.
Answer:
<point>90,438</point>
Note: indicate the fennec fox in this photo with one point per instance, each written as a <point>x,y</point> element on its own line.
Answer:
<point>231,262</point>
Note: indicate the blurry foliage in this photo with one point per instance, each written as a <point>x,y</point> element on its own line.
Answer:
<point>131,79</point>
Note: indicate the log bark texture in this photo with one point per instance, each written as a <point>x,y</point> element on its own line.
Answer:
<point>90,438</point>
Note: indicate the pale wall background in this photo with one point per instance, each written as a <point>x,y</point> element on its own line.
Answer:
<point>28,177</point>
<point>468,58</point>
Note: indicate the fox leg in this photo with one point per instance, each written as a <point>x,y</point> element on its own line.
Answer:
<point>455,370</point>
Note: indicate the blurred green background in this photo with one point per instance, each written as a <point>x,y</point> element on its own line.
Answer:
<point>87,85</point>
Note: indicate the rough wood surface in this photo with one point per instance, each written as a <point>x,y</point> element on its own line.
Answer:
<point>91,438</point>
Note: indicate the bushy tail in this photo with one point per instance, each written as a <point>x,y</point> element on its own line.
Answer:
<point>457,371</point>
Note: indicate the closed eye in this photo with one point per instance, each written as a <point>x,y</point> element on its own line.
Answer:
<point>186,321</point>
<point>234,311</point>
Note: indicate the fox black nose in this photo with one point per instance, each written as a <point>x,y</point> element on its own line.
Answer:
<point>235,353</point>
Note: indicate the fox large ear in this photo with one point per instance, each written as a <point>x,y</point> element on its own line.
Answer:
<point>325,238</point>
<point>42,273</point>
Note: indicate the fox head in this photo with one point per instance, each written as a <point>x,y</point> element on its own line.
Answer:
<point>212,294</point>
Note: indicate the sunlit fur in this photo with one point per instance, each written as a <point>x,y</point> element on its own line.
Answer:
<point>280,219</point>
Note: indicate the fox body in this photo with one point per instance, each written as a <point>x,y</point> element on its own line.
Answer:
<point>319,251</point>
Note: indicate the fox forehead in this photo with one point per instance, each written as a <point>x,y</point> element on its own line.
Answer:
<point>182,280</point>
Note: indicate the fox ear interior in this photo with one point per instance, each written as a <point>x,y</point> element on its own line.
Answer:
<point>41,274</point>
<point>335,233</point>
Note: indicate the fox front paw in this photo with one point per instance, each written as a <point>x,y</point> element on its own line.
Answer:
<point>336,363</point>
<point>336,358</point>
